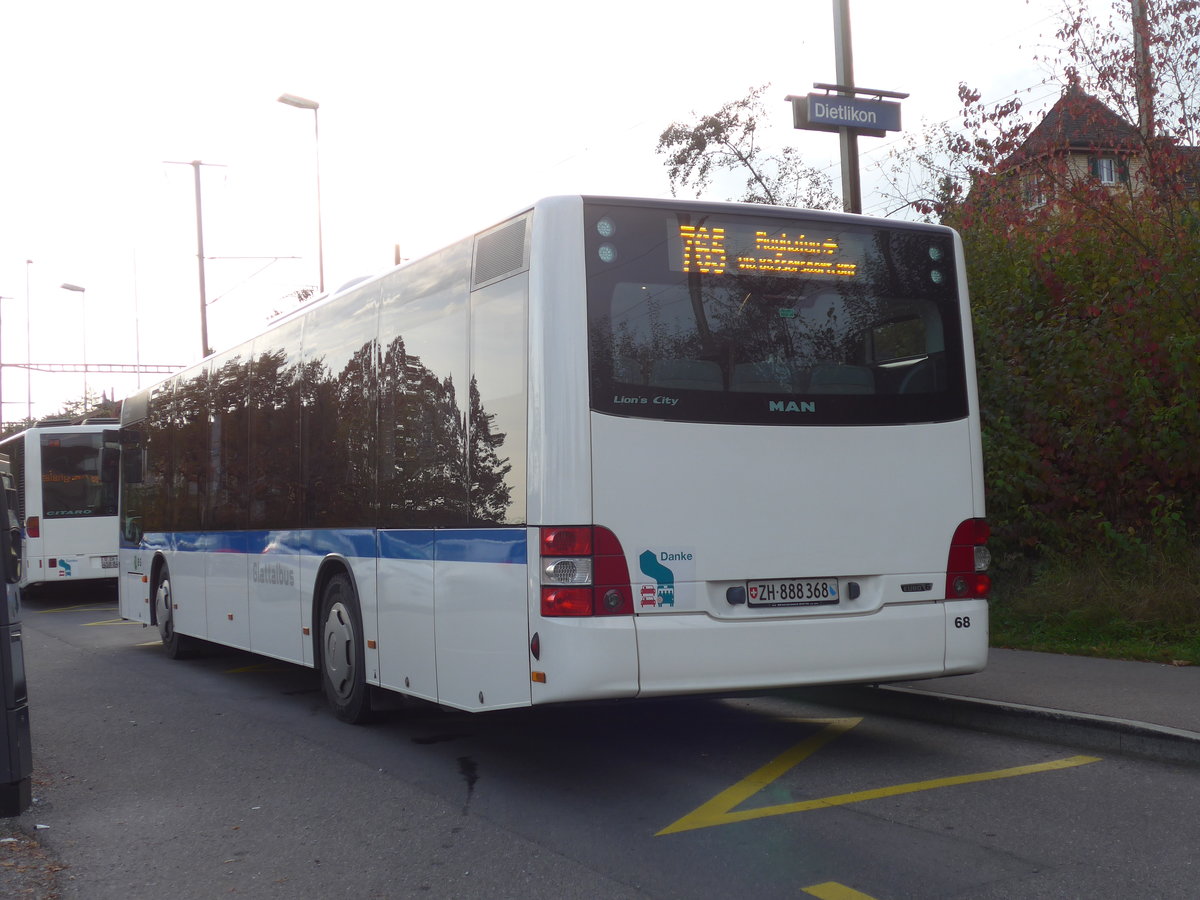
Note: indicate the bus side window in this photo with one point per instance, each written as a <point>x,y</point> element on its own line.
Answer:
<point>132,457</point>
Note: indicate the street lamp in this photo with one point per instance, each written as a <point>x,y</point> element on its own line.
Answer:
<point>302,103</point>
<point>205,350</point>
<point>2,370</point>
<point>83,306</point>
<point>28,350</point>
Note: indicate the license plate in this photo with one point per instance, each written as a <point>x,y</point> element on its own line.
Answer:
<point>108,562</point>
<point>793,592</point>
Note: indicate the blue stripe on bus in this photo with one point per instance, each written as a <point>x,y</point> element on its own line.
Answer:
<point>481,545</point>
<point>488,545</point>
<point>416,544</point>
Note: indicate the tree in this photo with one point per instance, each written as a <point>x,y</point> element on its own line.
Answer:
<point>1118,59</point>
<point>73,410</point>
<point>1084,296</point>
<point>728,140</point>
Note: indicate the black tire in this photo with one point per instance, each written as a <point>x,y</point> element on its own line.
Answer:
<point>175,645</point>
<point>343,667</point>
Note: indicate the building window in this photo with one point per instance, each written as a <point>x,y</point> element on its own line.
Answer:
<point>1033,190</point>
<point>1109,169</point>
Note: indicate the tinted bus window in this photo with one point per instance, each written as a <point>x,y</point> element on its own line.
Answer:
<point>74,482</point>
<point>764,320</point>
<point>273,470</point>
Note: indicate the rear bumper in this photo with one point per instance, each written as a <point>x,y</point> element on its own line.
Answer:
<point>685,653</point>
<point>61,569</point>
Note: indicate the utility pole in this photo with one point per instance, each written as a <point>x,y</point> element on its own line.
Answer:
<point>28,350</point>
<point>846,109</point>
<point>2,367</point>
<point>1142,71</point>
<point>205,350</point>
<point>844,66</point>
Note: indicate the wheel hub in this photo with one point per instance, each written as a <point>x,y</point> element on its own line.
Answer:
<point>162,609</point>
<point>338,646</point>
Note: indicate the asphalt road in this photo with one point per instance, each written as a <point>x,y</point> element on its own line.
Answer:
<point>225,775</point>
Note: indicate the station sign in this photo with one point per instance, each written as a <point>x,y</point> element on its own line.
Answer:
<point>832,112</point>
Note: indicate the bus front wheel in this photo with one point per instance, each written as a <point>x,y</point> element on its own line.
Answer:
<point>343,674</point>
<point>175,645</point>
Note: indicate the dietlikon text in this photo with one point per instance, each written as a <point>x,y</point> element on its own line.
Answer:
<point>844,112</point>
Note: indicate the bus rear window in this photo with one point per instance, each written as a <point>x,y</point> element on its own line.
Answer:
<point>775,321</point>
<point>78,480</point>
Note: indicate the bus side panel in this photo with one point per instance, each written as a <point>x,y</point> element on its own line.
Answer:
<point>406,613</point>
<point>696,653</point>
<point>227,598</point>
<point>974,422</point>
<point>365,572</point>
<point>186,564</point>
<point>482,619</point>
<point>275,599</point>
<point>559,429</point>
<point>133,596</point>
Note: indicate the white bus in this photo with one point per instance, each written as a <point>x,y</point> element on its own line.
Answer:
<point>607,448</point>
<point>67,478</point>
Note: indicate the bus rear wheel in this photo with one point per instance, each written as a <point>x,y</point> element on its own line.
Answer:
<point>175,645</point>
<point>343,675</point>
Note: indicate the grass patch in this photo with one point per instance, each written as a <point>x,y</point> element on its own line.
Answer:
<point>1144,607</point>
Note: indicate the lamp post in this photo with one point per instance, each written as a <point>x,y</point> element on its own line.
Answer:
<point>83,306</point>
<point>28,349</point>
<point>302,103</point>
<point>2,369</point>
<point>205,350</point>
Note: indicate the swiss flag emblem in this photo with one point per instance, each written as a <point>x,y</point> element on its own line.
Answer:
<point>754,592</point>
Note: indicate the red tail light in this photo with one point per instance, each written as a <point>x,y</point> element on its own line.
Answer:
<point>584,573</point>
<point>576,541</point>
<point>33,527</point>
<point>966,567</point>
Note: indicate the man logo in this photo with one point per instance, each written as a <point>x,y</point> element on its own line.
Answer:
<point>792,406</point>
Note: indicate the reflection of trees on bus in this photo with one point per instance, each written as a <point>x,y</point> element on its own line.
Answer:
<point>274,441</point>
<point>423,480</point>
<point>489,491</point>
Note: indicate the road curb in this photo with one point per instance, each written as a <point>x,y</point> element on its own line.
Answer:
<point>1104,734</point>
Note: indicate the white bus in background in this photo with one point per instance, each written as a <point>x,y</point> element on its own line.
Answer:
<point>607,448</point>
<point>67,479</point>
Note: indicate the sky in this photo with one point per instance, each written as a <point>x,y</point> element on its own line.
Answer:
<point>435,121</point>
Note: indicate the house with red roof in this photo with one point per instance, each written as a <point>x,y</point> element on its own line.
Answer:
<point>1082,144</point>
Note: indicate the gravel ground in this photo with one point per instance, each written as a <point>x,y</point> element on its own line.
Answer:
<point>26,869</point>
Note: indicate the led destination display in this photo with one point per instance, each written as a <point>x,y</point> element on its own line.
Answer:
<point>721,249</point>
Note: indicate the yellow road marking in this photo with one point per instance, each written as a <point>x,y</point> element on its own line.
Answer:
<point>721,809</point>
<point>716,810</point>
<point>83,607</point>
<point>112,622</point>
<point>150,644</point>
<point>831,890</point>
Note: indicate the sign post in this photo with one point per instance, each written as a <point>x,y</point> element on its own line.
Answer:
<point>845,111</point>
